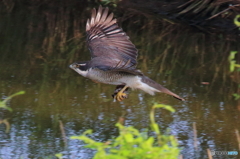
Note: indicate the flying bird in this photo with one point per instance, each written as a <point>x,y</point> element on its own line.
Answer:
<point>114,58</point>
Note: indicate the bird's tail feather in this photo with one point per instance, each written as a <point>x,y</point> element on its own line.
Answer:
<point>159,88</point>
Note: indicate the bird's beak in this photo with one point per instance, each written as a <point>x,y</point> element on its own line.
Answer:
<point>76,68</point>
<point>71,66</point>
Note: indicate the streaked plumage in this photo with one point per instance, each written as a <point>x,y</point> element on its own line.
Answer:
<point>113,57</point>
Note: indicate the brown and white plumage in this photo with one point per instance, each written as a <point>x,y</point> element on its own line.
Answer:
<point>113,56</point>
<point>107,42</point>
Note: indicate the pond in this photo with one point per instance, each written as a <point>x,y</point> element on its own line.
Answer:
<point>36,48</point>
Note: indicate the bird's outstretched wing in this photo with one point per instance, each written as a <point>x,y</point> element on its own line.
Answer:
<point>107,42</point>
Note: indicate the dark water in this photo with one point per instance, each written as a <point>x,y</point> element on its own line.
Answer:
<point>36,47</point>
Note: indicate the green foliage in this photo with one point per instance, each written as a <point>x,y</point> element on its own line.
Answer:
<point>3,104</point>
<point>236,96</point>
<point>231,59</point>
<point>236,20</point>
<point>133,144</point>
<point>59,156</point>
<point>233,67</point>
<point>108,2</point>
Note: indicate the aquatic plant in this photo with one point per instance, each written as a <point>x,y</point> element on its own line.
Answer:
<point>131,143</point>
<point>236,20</point>
<point>234,66</point>
<point>3,104</point>
<point>233,69</point>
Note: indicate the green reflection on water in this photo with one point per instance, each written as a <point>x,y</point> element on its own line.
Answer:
<point>36,51</point>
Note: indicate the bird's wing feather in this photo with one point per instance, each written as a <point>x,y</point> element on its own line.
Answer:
<point>107,40</point>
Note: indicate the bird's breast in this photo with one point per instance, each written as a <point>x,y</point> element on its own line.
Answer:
<point>107,77</point>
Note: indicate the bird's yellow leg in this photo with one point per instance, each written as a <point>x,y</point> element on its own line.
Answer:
<point>120,95</point>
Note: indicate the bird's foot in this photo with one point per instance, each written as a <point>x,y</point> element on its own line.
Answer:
<point>120,96</point>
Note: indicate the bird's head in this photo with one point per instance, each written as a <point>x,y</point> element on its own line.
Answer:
<point>80,67</point>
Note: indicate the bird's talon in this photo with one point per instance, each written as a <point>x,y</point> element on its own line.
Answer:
<point>124,96</point>
<point>120,96</point>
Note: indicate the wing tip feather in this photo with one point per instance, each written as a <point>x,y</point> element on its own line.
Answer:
<point>102,29</point>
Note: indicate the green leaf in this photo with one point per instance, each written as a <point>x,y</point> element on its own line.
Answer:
<point>236,96</point>
<point>128,137</point>
<point>59,155</point>
<point>4,102</point>
<point>10,97</point>
<point>232,55</point>
<point>237,23</point>
<point>131,144</point>
<point>167,107</point>
<point>237,65</point>
<point>231,60</point>
<point>232,65</point>
<point>149,141</point>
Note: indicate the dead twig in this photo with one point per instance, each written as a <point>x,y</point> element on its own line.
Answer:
<point>238,138</point>
<point>209,154</point>
<point>63,132</point>
<point>195,135</point>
